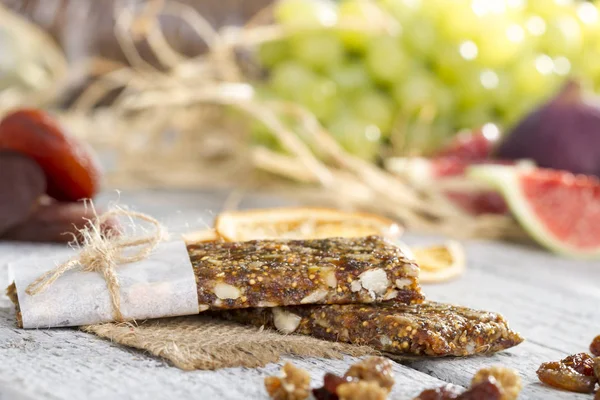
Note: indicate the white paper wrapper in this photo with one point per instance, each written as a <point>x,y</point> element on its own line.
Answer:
<point>163,285</point>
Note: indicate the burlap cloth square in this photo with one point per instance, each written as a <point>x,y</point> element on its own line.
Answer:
<point>203,342</point>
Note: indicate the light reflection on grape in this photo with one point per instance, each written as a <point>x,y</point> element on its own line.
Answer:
<point>544,64</point>
<point>562,65</point>
<point>489,79</point>
<point>468,50</point>
<point>536,25</point>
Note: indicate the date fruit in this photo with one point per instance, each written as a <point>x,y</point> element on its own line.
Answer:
<point>562,376</point>
<point>72,171</point>
<point>56,222</point>
<point>22,183</point>
<point>595,346</point>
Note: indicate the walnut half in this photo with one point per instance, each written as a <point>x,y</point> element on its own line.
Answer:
<point>508,381</point>
<point>292,384</point>
<point>373,369</point>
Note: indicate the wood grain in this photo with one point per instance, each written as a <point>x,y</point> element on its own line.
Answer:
<point>552,301</point>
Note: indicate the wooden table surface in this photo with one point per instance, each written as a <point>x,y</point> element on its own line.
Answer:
<point>553,302</point>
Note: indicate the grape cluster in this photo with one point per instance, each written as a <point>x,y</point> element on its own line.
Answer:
<point>375,71</point>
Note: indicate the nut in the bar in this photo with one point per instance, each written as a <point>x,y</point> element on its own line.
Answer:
<point>285,321</point>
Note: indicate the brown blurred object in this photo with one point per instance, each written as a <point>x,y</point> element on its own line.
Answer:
<point>85,27</point>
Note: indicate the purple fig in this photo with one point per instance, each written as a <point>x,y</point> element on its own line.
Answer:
<point>562,134</point>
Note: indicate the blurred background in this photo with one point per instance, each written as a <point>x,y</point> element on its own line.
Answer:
<point>379,105</point>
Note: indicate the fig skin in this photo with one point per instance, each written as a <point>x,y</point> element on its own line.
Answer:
<point>562,134</point>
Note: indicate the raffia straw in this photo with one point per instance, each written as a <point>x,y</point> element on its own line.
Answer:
<point>104,252</point>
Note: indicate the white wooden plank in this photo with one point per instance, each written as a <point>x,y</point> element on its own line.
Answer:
<point>552,301</point>
<point>67,364</point>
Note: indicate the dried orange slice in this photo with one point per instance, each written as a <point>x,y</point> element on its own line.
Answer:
<point>441,262</point>
<point>205,235</point>
<point>301,223</point>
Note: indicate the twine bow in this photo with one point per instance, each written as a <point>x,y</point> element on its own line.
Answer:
<point>102,253</point>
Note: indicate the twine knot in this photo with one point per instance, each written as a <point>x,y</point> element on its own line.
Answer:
<point>103,252</point>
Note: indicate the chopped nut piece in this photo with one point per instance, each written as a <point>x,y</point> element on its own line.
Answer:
<point>232,275</point>
<point>225,291</point>
<point>293,384</point>
<point>508,381</point>
<point>373,369</point>
<point>361,390</point>
<point>375,280</point>
<point>285,321</point>
<point>431,329</point>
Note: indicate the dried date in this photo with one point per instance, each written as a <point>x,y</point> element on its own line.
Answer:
<point>71,168</point>
<point>488,389</point>
<point>595,346</point>
<point>559,375</point>
<point>448,392</point>
<point>22,183</point>
<point>56,222</point>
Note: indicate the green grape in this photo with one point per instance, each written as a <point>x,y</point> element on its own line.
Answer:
<point>305,14</point>
<point>320,97</point>
<point>549,8</point>
<point>318,50</point>
<point>290,77</point>
<point>357,136</point>
<point>534,76</point>
<point>589,18</point>
<point>262,136</point>
<point>589,66</point>
<point>377,108</point>
<point>386,60</point>
<point>452,60</point>
<point>519,108</point>
<point>423,90</point>
<point>273,52</point>
<point>351,77</point>
<point>420,37</point>
<point>460,22</point>
<point>360,15</point>
<point>474,117</point>
<point>402,10</point>
<point>563,36</point>
<point>500,44</point>
<point>502,95</point>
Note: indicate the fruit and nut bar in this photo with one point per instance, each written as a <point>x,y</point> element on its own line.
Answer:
<point>430,329</point>
<point>269,273</point>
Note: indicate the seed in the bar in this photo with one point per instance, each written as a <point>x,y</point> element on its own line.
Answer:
<point>311,276</point>
<point>252,281</point>
<point>294,284</point>
<point>260,278</point>
<point>365,323</point>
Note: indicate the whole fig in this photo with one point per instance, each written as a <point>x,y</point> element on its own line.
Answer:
<point>562,134</point>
